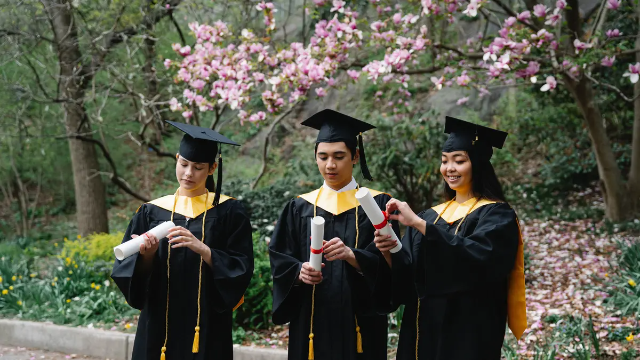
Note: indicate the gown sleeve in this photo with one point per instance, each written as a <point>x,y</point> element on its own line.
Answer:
<point>128,274</point>
<point>284,255</point>
<point>232,266</point>
<point>373,267</point>
<point>487,254</point>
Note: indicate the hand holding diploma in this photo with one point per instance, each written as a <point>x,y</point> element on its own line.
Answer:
<point>310,276</point>
<point>406,216</point>
<point>378,217</point>
<point>145,243</point>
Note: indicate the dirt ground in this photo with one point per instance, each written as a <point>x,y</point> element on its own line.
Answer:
<point>18,353</point>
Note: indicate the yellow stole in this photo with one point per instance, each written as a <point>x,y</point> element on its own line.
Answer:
<point>191,207</point>
<point>335,202</point>
<point>516,301</point>
<point>187,206</point>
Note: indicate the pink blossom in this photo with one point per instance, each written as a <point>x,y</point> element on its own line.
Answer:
<point>198,84</point>
<point>184,51</point>
<point>397,18</point>
<point>484,92</point>
<point>376,26</point>
<point>463,80</point>
<point>472,9</point>
<point>331,82</point>
<point>613,33</point>
<point>167,63</point>
<point>319,2</point>
<point>525,15</point>
<point>462,101</point>
<point>509,22</point>
<point>321,92</point>
<point>608,61</point>
<point>174,105</point>
<point>579,45</point>
<point>378,93</point>
<point>613,4</point>
<point>168,6</point>
<point>338,6</point>
<point>561,4</point>
<point>634,73</point>
<point>539,10</point>
<point>187,114</point>
<point>550,85</point>
<point>353,74</point>
<point>437,82</point>
<point>259,77</point>
<point>493,71</point>
<point>552,19</point>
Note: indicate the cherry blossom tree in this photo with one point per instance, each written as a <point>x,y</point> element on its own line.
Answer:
<point>550,45</point>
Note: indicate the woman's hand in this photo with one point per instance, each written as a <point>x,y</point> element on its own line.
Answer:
<point>406,216</point>
<point>384,243</point>
<point>181,237</point>
<point>149,246</point>
<point>309,275</point>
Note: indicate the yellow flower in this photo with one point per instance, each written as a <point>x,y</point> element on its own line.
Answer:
<point>10,287</point>
<point>127,326</point>
<point>65,239</point>
<point>68,260</point>
<point>55,278</point>
<point>32,275</point>
<point>97,287</point>
<point>0,279</point>
<point>126,302</point>
<point>79,236</point>
<point>20,277</point>
<point>75,266</point>
<point>70,272</point>
<point>632,283</point>
<point>93,285</point>
<point>13,278</point>
<point>53,284</point>
<point>19,303</point>
<point>630,337</point>
<point>606,275</point>
<point>5,292</point>
<point>55,244</point>
<point>68,301</point>
<point>68,279</point>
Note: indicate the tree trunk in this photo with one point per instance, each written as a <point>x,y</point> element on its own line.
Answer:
<point>613,186</point>
<point>634,173</point>
<point>90,194</point>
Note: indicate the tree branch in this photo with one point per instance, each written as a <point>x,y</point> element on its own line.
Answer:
<point>177,26</point>
<point>615,89</point>
<point>115,179</point>
<point>265,145</point>
<point>7,32</point>
<point>514,14</point>
<point>573,19</point>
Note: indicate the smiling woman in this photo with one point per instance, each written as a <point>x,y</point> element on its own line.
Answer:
<point>460,272</point>
<point>188,284</point>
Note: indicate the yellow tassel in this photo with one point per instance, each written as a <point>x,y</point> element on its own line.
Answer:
<point>196,341</point>
<point>359,340</point>
<point>162,356</point>
<point>311,357</point>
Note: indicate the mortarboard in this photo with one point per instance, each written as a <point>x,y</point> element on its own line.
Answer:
<point>337,127</point>
<point>201,145</point>
<point>469,137</point>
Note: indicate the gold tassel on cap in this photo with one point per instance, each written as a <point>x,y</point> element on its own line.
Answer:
<point>359,340</point>
<point>196,341</point>
<point>162,357</point>
<point>311,354</point>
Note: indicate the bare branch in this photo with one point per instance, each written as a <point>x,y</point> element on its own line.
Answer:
<point>265,145</point>
<point>177,26</point>
<point>611,87</point>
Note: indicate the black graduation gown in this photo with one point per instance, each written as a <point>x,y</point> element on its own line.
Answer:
<point>462,281</point>
<point>343,293</point>
<point>228,234</point>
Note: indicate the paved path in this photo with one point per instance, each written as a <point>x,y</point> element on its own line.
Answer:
<point>18,353</point>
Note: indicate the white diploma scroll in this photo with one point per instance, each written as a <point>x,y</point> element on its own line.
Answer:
<point>317,236</point>
<point>377,217</point>
<point>132,246</point>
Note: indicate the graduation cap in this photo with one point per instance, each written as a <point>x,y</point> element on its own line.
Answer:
<point>338,127</point>
<point>201,145</point>
<point>472,138</point>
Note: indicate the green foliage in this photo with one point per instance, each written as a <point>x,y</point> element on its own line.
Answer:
<point>622,283</point>
<point>404,155</point>
<point>97,247</point>
<point>65,292</point>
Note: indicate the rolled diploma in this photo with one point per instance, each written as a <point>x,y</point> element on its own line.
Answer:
<point>132,246</point>
<point>317,236</point>
<point>376,216</point>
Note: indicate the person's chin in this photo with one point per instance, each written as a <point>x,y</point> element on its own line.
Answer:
<point>188,185</point>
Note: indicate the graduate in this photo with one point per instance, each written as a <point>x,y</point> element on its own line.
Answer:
<point>188,284</point>
<point>460,272</point>
<point>331,312</point>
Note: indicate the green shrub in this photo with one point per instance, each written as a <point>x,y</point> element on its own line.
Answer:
<point>622,283</point>
<point>97,247</point>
